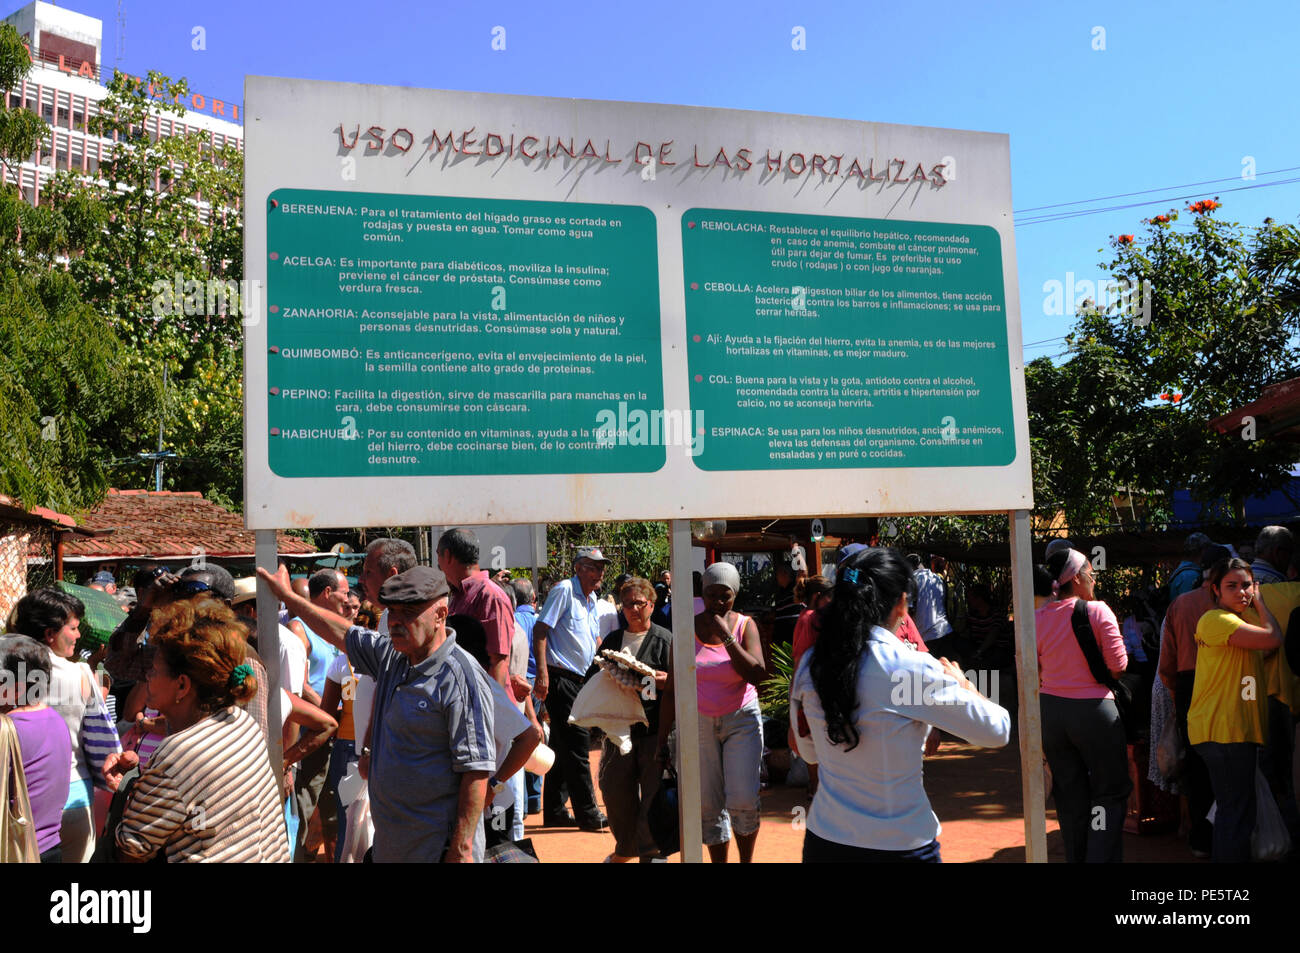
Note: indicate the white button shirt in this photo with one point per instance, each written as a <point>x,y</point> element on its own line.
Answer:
<point>873,796</point>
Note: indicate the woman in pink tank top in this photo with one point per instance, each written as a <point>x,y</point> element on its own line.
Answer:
<point>728,666</point>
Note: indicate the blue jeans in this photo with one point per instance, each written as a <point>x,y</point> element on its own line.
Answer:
<point>1232,773</point>
<point>342,756</point>
<point>731,759</point>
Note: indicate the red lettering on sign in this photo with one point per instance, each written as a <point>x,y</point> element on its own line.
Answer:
<point>803,163</point>
<point>902,164</point>
<point>376,136</point>
<point>607,155</point>
<point>919,171</point>
<point>437,145</point>
<point>773,166</point>
<point>741,156</point>
<point>410,140</point>
<point>936,175</point>
<point>664,149</point>
<point>197,101</point>
<point>487,145</point>
<point>523,142</point>
<point>465,140</point>
<point>343,143</point>
<point>851,173</point>
<point>219,108</point>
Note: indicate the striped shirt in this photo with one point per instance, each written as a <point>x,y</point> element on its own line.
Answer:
<point>208,796</point>
<point>75,696</point>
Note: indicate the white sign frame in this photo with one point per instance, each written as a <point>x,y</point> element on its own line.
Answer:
<point>294,129</point>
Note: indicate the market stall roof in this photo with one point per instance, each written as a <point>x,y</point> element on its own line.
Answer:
<point>13,513</point>
<point>1276,413</point>
<point>148,524</point>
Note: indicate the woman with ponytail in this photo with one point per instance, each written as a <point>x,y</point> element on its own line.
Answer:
<point>1083,737</point>
<point>863,702</point>
<point>208,794</point>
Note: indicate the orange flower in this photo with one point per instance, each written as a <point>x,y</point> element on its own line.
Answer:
<point>1160,220</point>
<point>1205,205</point>
<point>1125,239</point>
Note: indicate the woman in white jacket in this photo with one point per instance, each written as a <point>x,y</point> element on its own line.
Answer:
<point>862,703</point>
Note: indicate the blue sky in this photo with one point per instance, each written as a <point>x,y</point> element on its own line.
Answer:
<point>1182,92</point>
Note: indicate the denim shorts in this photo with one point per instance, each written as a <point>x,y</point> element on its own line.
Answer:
<point>731,758</point>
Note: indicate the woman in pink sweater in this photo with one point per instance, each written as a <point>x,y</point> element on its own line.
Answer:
<point>1083,738</point>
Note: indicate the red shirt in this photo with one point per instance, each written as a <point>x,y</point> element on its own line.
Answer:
<point>1178,638</point>
<point>480,598</point>
<point>805,634</point>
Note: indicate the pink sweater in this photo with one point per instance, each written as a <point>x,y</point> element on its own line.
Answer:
<point>1062,669</point>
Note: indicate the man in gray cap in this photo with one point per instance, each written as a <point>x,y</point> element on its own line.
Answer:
<point>433,748</point>
<point>565,638</point>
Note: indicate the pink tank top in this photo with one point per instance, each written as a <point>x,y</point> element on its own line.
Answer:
<point>719,688</point>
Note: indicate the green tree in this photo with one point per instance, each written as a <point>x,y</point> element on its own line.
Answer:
<point>71,395</point>
<point>639,548</point>
<point>156,245</point>
<point>1146,381</point>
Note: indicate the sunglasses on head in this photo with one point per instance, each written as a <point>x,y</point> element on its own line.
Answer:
<point>192,587</point>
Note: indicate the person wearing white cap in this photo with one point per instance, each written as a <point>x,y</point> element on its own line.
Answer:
<point>728,667</point>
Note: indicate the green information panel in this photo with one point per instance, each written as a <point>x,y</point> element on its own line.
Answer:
<point>818,342</point>
<point>419,335</point>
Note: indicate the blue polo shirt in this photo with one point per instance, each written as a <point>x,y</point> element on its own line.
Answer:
<point>433,722</point>
<point>575,627</point>
<point>526,616</point>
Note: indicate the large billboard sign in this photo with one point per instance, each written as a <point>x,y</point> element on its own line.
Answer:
<point>503,309</point>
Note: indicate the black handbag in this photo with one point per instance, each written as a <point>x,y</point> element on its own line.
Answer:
<point>1122,691</point>
<point>107,841</point>
<point>662,818</point>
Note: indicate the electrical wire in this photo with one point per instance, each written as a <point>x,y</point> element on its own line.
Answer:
<point>1062,216</point>
<point>1167,188</point>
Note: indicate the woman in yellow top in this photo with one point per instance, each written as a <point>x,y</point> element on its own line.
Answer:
<point>1227,717</point>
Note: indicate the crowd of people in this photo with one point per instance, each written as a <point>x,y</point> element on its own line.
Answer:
<point>439,700</point>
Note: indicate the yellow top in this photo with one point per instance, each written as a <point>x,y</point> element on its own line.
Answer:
<point>1229,693</point>
<point>1282,598</point>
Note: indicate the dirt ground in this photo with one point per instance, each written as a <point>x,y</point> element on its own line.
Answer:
<point>975,792</point>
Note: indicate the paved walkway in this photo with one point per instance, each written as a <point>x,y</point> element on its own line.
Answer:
<point>975,792</point>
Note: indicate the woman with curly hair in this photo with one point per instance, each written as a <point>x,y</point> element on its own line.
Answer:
<point>53,618</point>
<point>863,702</point>
<point>208,793</point>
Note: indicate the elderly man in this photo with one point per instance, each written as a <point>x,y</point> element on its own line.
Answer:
<point>385,558</point>
<point>565,638</point>
<point>1273,549</point>
<point>432,745</point>
<point>473,593</point>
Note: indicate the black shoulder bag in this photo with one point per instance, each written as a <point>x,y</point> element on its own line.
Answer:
<point>1097,666</point>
